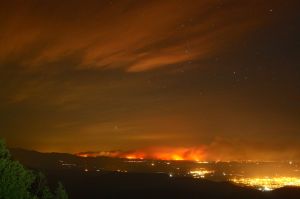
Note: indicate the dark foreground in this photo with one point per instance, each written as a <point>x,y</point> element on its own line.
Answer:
<point>146,185</point>
<point>86,185</point>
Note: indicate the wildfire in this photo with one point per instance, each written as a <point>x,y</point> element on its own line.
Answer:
<point>193,154</point>
<point>268,184</point>
<point>98,154</point>
<point>83,155</point>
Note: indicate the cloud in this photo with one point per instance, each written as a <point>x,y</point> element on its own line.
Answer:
<point>64,87</point>
<point>132,35</point>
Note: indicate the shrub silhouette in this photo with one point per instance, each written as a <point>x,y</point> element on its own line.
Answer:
<point>60,192</point>
<point>16,182</point>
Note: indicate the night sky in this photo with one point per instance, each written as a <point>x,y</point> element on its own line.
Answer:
<point>88,75</point>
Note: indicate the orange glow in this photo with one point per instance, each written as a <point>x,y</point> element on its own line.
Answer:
<point>158,153</point>
<point>84,155</point>
<point>176,157</point>
<point>134,156</point>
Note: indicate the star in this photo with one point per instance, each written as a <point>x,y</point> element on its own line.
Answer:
<point>270,11</point>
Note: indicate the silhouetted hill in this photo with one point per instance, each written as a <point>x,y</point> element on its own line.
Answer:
<point>38,160</point>
<point>287,192</point>
<point>34,159</point>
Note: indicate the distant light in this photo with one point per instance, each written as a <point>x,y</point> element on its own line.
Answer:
<point>266,189</point>
<point>152,164</point>
<point>202,162</point>
<point>267,183</point>
<point>86,170</point>
<point>170,175</point>
<point>135,161</point>
<point>200,173</point>
<point>290,162</point>
<point>122,171</point>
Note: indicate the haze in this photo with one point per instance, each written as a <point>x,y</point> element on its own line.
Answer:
<point>217,76</point>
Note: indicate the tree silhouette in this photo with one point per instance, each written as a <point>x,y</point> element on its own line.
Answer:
<point>4,153</point>
<point>16,182</point>
<point>40,188</point>
<point>60,192</point>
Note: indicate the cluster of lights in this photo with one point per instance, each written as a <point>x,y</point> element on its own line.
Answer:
<point>200,173</point>
<point>121,171</point>
<point>268,184</point>
<point>135,161</point>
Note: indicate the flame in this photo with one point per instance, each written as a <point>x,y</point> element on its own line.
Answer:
<point>83,155</point>
<point>158,153</point>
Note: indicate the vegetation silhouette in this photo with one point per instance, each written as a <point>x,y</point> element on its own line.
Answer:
<point>17,182</point>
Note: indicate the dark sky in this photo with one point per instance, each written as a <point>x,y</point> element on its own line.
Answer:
<point>90,75</point>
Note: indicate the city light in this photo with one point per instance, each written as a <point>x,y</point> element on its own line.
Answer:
<point>200,173</point>
<point>266,183</point>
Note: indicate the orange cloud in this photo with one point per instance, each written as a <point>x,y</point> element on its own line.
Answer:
<point>134,36</point>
